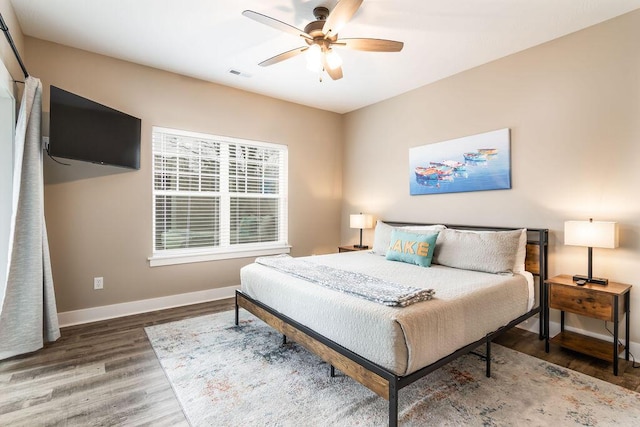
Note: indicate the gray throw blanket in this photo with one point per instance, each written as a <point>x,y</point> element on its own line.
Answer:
<point>349,282</point>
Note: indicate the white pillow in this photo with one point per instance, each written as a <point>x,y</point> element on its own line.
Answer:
<point>488,251</point>
<point>521,255</point>
<point>519,265</point>
<point>382,236</point>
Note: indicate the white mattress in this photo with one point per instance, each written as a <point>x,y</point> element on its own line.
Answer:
<point>467,306</point>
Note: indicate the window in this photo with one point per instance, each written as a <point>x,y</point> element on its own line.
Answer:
<point>217,197</point>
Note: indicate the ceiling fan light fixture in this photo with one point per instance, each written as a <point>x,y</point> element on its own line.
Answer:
<point>321,35</point>
<point>333,59</point>
<point>314,58</point>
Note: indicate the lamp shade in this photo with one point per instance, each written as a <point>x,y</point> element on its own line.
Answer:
<point>333,59</point>
<point>314,58</point>
<point>361,221</point>
<point>593,234</point>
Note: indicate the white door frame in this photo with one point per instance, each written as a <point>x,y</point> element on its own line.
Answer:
<point>7,131</point>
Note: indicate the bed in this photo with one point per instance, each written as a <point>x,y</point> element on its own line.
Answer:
<point>387,347</point>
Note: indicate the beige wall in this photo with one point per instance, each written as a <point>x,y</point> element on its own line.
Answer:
<point>573,106</point>
<point>99,218</point>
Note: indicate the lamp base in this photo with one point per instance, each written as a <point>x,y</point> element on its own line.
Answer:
<point>594,280</point>
<point>361,246</point>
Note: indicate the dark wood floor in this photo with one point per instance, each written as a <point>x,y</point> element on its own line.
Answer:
<point>527,342</point>
<point>106,373</point>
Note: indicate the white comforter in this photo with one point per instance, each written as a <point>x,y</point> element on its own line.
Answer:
<point>467,305</point>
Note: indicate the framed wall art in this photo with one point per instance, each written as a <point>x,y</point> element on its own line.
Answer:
<point>473,163</point>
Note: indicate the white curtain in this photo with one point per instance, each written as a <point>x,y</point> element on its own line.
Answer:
<point>28,315</point>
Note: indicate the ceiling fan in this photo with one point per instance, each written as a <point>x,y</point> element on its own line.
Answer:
<point>321,37</point>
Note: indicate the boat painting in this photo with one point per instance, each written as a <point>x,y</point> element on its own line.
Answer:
<point>473,163</point>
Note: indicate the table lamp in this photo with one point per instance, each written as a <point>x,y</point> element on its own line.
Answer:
<point>592,234</point>
<point>361,221</point>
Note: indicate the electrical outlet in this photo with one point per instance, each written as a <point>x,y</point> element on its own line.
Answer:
<point>98,282</point>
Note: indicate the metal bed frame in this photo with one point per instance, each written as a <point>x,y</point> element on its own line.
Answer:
<point>375,377</point>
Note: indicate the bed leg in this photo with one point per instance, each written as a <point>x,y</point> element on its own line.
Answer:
<point>284,339</point>
<point>543,311</point>
<point>237,309</point>
<point>393,405</point>
<point>488,358</point>
<point>332,371</point>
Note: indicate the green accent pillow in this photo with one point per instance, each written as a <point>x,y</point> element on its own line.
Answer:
<point>412,248</point>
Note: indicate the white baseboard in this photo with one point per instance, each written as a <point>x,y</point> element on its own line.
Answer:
<point>531,325</point>
<point>94,314</point>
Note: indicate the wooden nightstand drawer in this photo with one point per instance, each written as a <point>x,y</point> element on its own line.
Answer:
<point>582,301</point>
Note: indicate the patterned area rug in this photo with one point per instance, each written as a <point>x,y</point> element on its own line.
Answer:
<point>243,376</point>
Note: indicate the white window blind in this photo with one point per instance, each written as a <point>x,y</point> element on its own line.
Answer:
<point>215,194</point>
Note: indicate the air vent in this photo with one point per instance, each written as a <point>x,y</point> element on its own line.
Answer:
<point>238,73</point>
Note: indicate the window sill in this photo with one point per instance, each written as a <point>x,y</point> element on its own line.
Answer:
<point>186,258</point>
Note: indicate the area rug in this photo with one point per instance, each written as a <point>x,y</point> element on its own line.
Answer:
<point>225,375</point>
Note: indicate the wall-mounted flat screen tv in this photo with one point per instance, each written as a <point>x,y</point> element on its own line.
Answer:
<point>81,129</point>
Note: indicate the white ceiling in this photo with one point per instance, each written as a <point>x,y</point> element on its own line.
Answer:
<point>207,38</point>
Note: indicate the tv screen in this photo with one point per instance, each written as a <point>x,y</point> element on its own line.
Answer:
<point>81,129</point>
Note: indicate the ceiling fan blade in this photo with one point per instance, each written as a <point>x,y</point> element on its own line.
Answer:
<point>334,73</point>
<point>340,15</point>
<point>285,55</point>
<point>371,45</point>
<point>274,23</point>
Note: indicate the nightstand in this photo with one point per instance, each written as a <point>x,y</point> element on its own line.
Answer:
<point>351,248</point>
<point>608,302</point>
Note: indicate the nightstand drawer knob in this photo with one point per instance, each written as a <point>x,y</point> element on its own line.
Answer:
<point>578,301</point>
